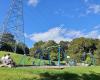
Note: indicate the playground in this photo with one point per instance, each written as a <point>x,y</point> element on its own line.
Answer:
<point>27,61</point>
<point>41,72</point>
<point>12,39</point>
<point>32,50</point>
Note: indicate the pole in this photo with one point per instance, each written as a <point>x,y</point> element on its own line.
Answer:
<point>59,55</point>
<point>49,58</point>
<point>65,56</point>
<point>92,59</point>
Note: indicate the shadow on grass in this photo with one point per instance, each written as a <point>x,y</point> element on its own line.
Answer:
<point>92,76</point>
<point>69,76</point>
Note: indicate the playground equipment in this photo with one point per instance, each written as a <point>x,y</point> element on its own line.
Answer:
<point>68,60</point>
<point>40,56</point>
<point>47,50</point>
<point>72,62</point>
<point>90,55</point>
<point>59,50</point>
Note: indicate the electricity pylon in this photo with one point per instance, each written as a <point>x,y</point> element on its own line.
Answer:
<point>14,22</point>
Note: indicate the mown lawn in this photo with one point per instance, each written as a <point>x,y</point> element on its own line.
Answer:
<point>70,73</point>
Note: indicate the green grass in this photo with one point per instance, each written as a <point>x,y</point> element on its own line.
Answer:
<point>70,73</point>
<point>22,59</point>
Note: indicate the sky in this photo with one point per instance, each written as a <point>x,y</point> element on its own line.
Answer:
<point>58,19</point>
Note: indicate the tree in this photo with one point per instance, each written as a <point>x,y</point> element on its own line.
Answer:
<point>64,47</point>
<point>52,50</point>
<point>7,42</point>
<point>36,46</point>
<point>43,46</point>
<point>80,45</point>
<point>97,53</point>
<point>74,49</point>
<point>21,48</point>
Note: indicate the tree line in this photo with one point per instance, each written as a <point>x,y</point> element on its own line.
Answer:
<point>8,43</point>
<point>74,48</point>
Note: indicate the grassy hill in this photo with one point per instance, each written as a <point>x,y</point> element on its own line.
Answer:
<point>22,59</point>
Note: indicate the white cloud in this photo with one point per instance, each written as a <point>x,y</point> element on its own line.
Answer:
<point>33,2</point>
<point>93,8</point>
<point>73,34</point>
<point>93,34</point>
<point>90,8</point>
<point>57,34</point>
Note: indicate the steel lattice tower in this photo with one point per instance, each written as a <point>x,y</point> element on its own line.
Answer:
<point>14,22</point>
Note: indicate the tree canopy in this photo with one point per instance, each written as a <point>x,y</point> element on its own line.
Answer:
<point>74,49</point>
<point>9,43</point>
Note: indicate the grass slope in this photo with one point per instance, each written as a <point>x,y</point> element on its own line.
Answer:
<point>22,59</point>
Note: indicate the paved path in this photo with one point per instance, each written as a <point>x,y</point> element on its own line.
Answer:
<point>46,67</point>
